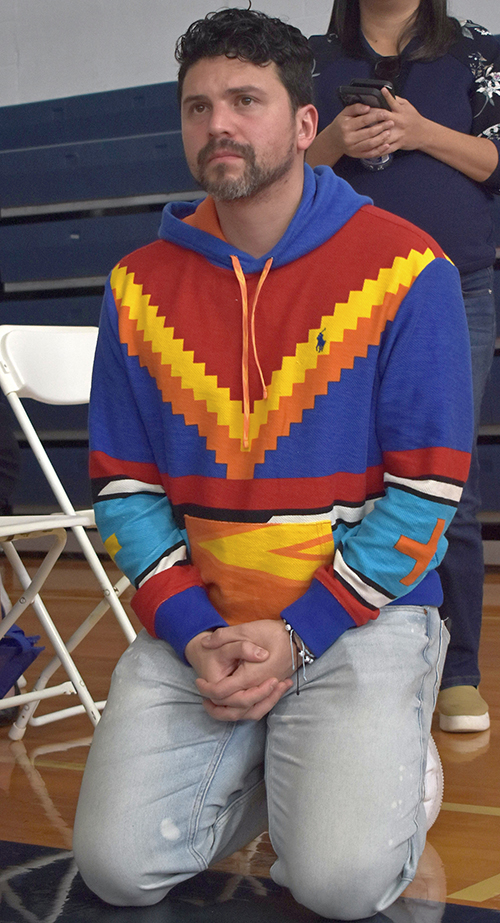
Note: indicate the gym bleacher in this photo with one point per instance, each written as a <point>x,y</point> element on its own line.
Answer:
<point>83,181</point>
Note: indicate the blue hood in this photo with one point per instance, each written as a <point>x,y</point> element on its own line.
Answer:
<point>328,202</point>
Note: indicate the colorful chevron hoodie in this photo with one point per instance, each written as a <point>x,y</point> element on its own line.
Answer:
<point>286,435</point>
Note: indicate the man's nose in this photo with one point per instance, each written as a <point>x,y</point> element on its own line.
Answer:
<point>221,121</point>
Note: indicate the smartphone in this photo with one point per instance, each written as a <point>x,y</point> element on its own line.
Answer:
<point>372,82</point>
<point>366,91</point>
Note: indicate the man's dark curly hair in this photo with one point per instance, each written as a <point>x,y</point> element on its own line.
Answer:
<point>250,36</point>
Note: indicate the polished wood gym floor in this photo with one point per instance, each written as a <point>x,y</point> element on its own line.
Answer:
<point>40,778</point>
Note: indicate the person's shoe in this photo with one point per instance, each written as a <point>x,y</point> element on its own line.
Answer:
<point>433,784</point>
<point>461,709</point>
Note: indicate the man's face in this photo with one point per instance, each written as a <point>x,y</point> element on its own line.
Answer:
<point>239,132</point>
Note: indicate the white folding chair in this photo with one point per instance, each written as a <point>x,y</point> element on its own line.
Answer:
<point>52,365</point>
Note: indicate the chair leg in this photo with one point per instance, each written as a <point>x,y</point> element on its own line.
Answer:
<point>31,587</point>
<point>79,635</point>
<point>4,598</point>
<point>62,650</point>
<point>18,728</point>
<point>109,591</point>
<point>76,638</point>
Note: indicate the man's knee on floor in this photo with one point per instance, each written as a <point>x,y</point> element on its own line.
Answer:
<point>342,890</point>
<point>116,875</point>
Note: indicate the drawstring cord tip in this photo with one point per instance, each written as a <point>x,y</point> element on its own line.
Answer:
<point>302,651</point>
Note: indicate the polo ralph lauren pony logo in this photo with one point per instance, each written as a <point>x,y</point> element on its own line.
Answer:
<point>320,341</point>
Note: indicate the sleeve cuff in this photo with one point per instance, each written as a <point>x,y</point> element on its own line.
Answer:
<point>185,615</point>
<point>318,618</point>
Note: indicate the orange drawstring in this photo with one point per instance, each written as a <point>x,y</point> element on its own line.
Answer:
<point>244,358</point>
<point>262,279</point>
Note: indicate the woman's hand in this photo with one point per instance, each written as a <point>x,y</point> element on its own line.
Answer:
<point>409,128</point>
<point>364,131</point>
<point>475,157</point>
<point>357,131</point>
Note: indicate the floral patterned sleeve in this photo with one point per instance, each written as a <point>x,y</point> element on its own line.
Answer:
<point>484,61</point>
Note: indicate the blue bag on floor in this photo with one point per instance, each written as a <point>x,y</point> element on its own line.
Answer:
<point>17,652</point>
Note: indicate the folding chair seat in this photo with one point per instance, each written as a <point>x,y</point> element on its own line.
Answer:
<point>52,365</point>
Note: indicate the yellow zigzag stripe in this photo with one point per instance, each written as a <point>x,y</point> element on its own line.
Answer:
<point>163,341</point>
<point>293,370</point>
<point>253,550</point>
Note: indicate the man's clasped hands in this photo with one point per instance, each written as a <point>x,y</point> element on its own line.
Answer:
<point>243,670</point>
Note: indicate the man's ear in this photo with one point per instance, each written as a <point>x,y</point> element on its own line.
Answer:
<point>307,126</point>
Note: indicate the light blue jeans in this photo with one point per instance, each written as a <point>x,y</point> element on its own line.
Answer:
<point>336,773</point>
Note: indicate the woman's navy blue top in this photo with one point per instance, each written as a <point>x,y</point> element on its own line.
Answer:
<point>460,89</point>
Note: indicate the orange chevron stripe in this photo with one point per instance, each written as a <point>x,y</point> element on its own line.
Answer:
<point>300,551</point>
<point>228,450</point>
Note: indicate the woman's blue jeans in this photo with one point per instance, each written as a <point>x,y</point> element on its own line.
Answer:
<point>335,774</point>
<point>462,569</point>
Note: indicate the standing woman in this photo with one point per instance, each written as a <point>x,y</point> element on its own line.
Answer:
<point>432,158</point>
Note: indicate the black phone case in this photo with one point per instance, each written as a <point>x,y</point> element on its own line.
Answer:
<point>368,95</point>
<point>372,82</point>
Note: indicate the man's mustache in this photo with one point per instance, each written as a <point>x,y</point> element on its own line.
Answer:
<point>214,145</point>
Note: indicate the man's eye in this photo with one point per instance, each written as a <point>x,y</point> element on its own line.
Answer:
<point>246,101</point>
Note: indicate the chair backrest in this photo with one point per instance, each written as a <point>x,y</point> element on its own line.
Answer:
<point>52,365</point>
<point>49,364</point>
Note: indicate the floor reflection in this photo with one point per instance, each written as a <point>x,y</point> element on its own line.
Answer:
<point>42,885</point>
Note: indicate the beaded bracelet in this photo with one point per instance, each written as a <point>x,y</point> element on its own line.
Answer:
<point>302,651</point>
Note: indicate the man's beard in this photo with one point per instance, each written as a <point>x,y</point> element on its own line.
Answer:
<point>254,179</point>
